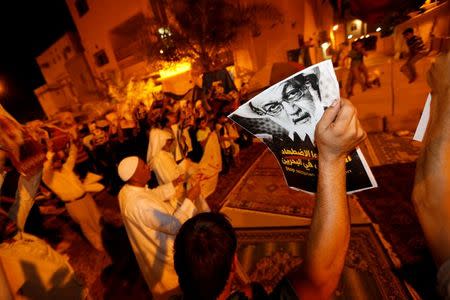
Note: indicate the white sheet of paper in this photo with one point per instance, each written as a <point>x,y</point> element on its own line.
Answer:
<point>423,123</point>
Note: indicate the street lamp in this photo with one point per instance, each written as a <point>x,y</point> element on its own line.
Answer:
<point>2,88</point>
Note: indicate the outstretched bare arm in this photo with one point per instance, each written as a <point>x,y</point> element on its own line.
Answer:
<point>431,194</point>
<point>337,133</point>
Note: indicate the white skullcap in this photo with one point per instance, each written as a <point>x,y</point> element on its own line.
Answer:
<point>127,167</point>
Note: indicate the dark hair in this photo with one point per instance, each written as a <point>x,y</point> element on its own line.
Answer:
<point>408,30</point>
<point>198,121</point>
<point>204,252</point>
<point>299,81</point>
<point>167,115</point>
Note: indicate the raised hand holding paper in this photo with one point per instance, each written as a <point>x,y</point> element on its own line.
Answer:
<point>285,117</point>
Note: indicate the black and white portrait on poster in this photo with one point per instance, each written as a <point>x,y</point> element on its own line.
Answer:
<point>285,116</point>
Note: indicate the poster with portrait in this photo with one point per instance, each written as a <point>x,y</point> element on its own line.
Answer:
<point>285,116</point>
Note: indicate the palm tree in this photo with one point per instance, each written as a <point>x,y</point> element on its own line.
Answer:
<point>201,29</point>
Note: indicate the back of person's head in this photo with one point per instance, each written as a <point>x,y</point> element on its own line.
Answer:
<point>170,118</point>
<point>199,121</point>
<point>408,31</point>
<point>204,253</point>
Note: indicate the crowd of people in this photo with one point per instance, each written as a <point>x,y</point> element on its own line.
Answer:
<point>169,159</point>
<point>183,144</point>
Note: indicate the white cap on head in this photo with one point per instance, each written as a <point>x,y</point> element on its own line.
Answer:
<point>127,167</point>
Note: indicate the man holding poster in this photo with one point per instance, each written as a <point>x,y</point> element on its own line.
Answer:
<point>205,246</point>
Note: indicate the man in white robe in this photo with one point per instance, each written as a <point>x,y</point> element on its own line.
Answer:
<point>210,165</point>
<point>31,269</point>
<point>161,159</point>
<point>60,177</point>
<point>152,223</point>
<point>166,169</point>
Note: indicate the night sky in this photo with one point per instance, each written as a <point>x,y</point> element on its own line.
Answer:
<point>27,28</point>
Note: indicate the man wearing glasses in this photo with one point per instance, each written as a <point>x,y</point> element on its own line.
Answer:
<point>291,109</point>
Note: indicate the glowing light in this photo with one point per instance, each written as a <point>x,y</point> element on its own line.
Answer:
<point>161,30</point>
<point>161,51</point>
<point>174,70</point>
<point>325,46</point>
<point>335,27</point>
<point>350,36</point>
<point>367,35</point>
<point>2,88</point>
<point>378,29</point>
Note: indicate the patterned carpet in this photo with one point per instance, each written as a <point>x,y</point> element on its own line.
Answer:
<point>266,255</point>
<point>391,208</point>
<point>229,180</point>
<point>385,149</point>
<point>264,189</point>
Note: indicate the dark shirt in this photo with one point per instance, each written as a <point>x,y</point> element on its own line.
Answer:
<point>283,291</point>
<point>415,45</point>
<point>357,57</point>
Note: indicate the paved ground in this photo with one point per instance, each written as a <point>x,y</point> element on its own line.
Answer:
<point>396,99</point>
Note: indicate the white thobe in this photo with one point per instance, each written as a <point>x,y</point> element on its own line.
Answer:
<point>152,224</point>
<point>79,204</point>
<point>156,141</point>
<point>163,163</point>
<point>166,168</point>
<point>30,267</point>
<point>209,167</point>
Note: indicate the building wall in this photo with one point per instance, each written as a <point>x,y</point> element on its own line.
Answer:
<point>55,99</point>
<point>95,27</point>
<point>435,20</point>
<point>52,61</point>
<point>81,79</point>
<point>69,80</point>
<point>305,17</point>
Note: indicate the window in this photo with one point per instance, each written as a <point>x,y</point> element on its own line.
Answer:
<point>66,52</point>
<point>101,58</point>
<point>45,65</point>
<point>82,7</point>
